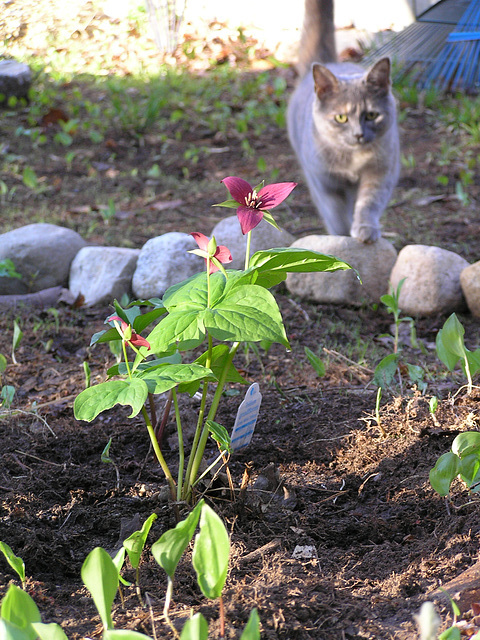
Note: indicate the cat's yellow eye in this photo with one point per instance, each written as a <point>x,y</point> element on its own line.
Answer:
<point>341,118</point>
<point>371,115</point>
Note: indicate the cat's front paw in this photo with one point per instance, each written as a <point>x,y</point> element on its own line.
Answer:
<point>366,233</point>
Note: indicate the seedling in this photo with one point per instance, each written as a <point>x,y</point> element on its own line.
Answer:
<point>134,545</point>
<point>316,362</point>
<point>106,459</point>
<point>463,461</point>
<point>7,269</point>
<point>14,561</point>
<point>451,349</point>
<point>17,338</point>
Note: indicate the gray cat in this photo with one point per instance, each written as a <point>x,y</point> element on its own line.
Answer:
<point>342,125</point>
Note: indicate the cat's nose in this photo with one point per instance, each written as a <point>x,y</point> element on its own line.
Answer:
<point>360,138</point>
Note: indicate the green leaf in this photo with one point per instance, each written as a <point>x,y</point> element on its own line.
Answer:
<point>273,265</point>
<point>135,543</point>
<point>166,376</point>
<point>142,321</point>
<point>100,576</point>
<point>184,329</point>
<point>316,362</point>
<point>19,608</point>
<point>10,631</point>
<point>106,335</point>
<point>252,628</point>
<point>453,633</point>
<point>220,435</point>
<point>14,561</point>
<point>3,363</point>
<point>385,370</point>
<point>444,472</point>
<point>210,553</point>
<point>196,628</point>
<point>449,342</point>
<point>220,355</point>
<point>231,204</point>
<point>50,631</point>
<point>248,314</point>
<point>466,443</point>
<point>469,470</point>
<point>120,369</point>
<point>123,634</point>
<point>169,548</point>
<point>92,401</point>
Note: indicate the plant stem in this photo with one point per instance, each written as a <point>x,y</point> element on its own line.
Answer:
<point>181,450</point>
<point>247,253</point>
<point>168,599</point>
<point>124,347</point>
<point>158,453</point>
<point>211,415</point>
<point>201,414</point>
<point>222,618</point>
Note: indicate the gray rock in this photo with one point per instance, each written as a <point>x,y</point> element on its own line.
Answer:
<point>102,274</point>
<point>470,283</point>
<point>374,263</point>
<point>264,236</point>
<point>432,283</point>
<point>42,254</point>
<point>164,261</point>
<point>15,79</point>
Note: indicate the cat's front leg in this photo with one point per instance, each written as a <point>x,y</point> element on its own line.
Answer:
<point>370,204</point>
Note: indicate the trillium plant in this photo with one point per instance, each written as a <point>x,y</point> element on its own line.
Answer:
<point>211,314</point>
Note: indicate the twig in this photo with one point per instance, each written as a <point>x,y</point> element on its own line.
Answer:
<point>31,412</point>
<point>30,455</point>
<point>335,354</point>
<point>261,551</point>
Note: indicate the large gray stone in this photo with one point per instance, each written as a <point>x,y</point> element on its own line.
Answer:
<point>164,261</point>
<point>374,263</point>
<point>15,79</point>
<point>42,254</point>
<point>470,283</point>
<point>432,280</point>
<point>264,236</point>
<point>102,274</point>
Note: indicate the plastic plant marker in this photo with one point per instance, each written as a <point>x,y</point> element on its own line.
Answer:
<point>210,553</point>
<point>19,608</point>
<point>252,628</point>
<point>195,629</point>
<point>52,631</point>
<point>135,543</point>
<point>14,561</point>
<point>246,418</point>
<point>100,576</point>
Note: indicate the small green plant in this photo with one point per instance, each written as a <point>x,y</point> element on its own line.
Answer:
<point>316,362</point>
<point>451,349</point>
<point>389,366</point>
<point>7,269</point>
<point>463,461</point>
<point>14,561</point>
<point>17,338</point>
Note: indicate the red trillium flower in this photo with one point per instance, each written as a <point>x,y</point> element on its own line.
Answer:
<point>208,248</point>
<point>129,336</point>
<point>253,204</point>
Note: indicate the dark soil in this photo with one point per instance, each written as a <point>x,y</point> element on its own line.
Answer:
<point>383,539</point>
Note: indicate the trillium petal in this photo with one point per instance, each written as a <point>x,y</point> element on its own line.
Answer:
<point>248,218</point>
<point>223,254</point>
<point>138,341</point>
<point>239,189</point>
<point>201,240</point>
<point>271,195</point>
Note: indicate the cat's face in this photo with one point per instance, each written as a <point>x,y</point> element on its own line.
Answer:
<point>353,108</point>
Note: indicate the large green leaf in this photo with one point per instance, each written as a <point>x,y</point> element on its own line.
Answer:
<point>92,401</point>
<point>469,470</point>
<point>385,370</point>
<point>10,631</point>
<point>210,553</point>
<point>220,355</point>
<point>166,376</point>
<point>444,472</point>
<point>100,576</point>
<point>123,634</point>
<point>248,314</point>
<point>20,610</point>
<point>135,543</point>
<point>169,548</point>
<point>273,265</point>
<point>183,328</point>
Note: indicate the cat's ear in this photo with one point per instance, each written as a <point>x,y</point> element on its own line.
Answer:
<point>378,78</point>
<point>325,82</point>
